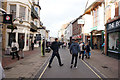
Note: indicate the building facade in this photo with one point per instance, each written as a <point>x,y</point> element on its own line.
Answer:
<point>26,21</point>
<point>68,32</point>
<point>96,9</point>
<point>77,30</point>
<point>112,21</point>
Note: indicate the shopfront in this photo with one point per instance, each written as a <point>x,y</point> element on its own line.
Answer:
<point>113,39</point>
<point>78,37</point>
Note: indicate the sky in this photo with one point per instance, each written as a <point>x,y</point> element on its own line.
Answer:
<point>55,13</point>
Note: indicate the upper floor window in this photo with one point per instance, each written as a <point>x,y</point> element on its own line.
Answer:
<point>28,15</point>
<point>119,8</point>
<point>36,9</point>
<point>22,12</point>
<point>13,10</point>
<point>36,23</point>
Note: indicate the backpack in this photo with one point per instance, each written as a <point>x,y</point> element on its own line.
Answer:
<point>83,47</point>
<point>74,49</point>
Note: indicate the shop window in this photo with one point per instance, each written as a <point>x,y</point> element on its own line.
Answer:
<point>113,41</point>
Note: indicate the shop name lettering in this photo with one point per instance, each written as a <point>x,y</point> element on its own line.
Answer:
<point>114,25</point>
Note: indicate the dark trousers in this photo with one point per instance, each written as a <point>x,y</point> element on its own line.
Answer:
<point>82,52</point>
<point>58,57</point>
<point>32,47</point>
<point>74,56</point>
<point>43,51</point>
<point>15,53</point>
<point>87,54</point>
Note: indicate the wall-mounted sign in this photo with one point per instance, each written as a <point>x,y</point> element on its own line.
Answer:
<point>113,25</point>
<point>7,18</point>
<point>81,21</point>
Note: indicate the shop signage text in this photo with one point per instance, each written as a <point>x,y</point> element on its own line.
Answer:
<point>113,25</point>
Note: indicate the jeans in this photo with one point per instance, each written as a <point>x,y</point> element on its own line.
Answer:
<point>74,56</point>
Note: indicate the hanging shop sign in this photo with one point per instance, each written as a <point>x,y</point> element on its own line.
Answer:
<point>7,18</point>
<point>94,28</point>
<point>81,21</point>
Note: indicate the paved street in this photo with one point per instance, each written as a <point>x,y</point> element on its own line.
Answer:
<point>35,66</point>
<point>84,70</point>
<point>27,67</point>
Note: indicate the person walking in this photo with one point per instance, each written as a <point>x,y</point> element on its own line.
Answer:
<point>21,46</point>
<point>82,47</point>
<point>32,45</point>
<point>74,50</point>
<point>43,47</point>
<point>55,47</point>
<point>87,49</point>
<point>14,49</point>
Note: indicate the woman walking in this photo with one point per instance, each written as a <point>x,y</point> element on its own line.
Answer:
<point>14,49</point>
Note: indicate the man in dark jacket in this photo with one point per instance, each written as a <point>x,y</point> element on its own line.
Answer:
<point>55,47</point>
<point>21,46</point>
<point>74,50</point>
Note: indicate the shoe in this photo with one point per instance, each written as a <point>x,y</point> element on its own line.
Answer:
<point>61,65</point>
<point>22,57</point>
<point>79,57</point>
<point>71,66</point>
<point>49,66</point>
<point>76,67</point>
<point>13,58</point>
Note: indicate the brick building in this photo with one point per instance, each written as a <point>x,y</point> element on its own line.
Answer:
<point>77,30</point>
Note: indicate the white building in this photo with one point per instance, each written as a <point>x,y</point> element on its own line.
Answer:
<point>86,29</point>
<point>68,32</point>
<point>27,12</point>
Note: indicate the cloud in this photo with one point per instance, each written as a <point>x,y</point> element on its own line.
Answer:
<point>55,13</point>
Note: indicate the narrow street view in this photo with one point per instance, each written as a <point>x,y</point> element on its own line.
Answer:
<point>59,39</point>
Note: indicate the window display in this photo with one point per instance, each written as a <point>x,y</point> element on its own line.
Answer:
<point>113,41</point>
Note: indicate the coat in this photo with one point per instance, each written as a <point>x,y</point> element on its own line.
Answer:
<point>14,44</point>
<point>74,48</point>
<point>21,44</point>
<point>55,46</point>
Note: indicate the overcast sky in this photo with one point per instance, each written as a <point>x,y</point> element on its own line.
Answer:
<point>55,13</point>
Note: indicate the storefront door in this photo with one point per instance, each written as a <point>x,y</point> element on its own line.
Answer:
<point>10,39</point>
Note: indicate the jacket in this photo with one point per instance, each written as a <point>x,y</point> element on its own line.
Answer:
<point>55,46</point>
<point>87,48</point>
<point>15,44</point>
<point>21,44</point>
<point>74,48</point>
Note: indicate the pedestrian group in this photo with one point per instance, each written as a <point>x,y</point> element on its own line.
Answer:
<point>75,48</point>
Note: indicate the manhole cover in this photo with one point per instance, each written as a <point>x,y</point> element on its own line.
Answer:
<point>104,67</point>
<point>7,68</point>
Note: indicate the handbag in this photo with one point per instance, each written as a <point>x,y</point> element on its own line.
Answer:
<point>14,48</point>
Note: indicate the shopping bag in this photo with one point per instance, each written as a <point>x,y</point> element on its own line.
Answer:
<point>89,53</point>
